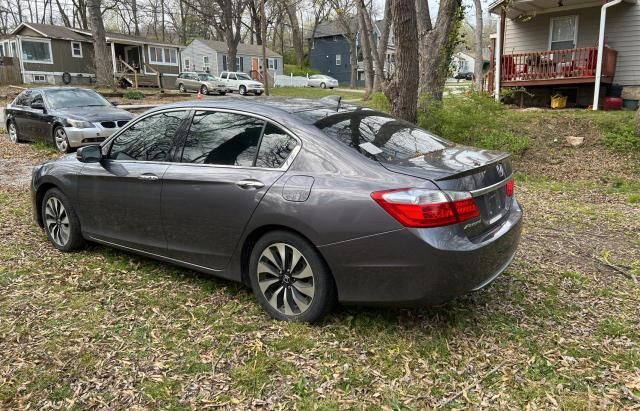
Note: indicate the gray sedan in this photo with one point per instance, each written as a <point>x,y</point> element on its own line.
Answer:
<point>322,81</point>
<point>309,203</point>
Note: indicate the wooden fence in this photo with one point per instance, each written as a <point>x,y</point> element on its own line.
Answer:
<point>10,71</point>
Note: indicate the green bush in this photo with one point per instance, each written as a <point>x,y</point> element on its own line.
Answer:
<point>622,136</point>
<point>380,102</point>
<point>133,95</point>
<point>299,71</point>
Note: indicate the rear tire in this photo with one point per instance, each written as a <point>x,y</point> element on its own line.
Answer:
<point>61,222</point>
<point>181,88</point>
<point>290,279</point>
<point>323,85</point>
<point>12,129</point>
<point>204,90</point>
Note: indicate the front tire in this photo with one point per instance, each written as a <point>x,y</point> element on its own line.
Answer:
<point>12,129</point>
<point>61,222</point>
<point>323,85</point>
<point>222,93</point>
<point>243,90</point>
<point>60,140</point>
<point>290,279</point>
<point>258,93</point>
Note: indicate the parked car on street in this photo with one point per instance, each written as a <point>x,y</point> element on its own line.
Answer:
<point>307,202</point>
<point>204,83</point>
<point>241,82</point>
<point>464,76</point>
<point>68,117</point>
<point>322,81</point>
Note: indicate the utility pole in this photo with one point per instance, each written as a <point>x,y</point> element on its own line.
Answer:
<point>265,63</point>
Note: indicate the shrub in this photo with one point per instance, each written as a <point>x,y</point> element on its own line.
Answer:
<point>133,95</point>
<point>622,136</point>
<point>299,71</point>
<point>380,102</point>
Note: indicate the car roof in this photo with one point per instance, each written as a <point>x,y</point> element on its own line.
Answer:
<point>56,88</point>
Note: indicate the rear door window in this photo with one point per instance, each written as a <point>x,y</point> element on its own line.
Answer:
<point>276,146</point>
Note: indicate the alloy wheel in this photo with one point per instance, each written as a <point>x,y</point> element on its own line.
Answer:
<point>62,144</point>
<point>286,279</point>
<point>204,90</point>
<point>182,90</point>
<point>57,221</point>
<point>243,90</point>
<point>13,133</point>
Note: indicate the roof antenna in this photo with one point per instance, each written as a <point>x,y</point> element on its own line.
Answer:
<point>333,101</point>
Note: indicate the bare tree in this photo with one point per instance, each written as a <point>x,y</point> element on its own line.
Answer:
<point>102,57</point>
<point>296,33</point>
<point>366,40</point>
<point>479,63</point>
<point>403,88</point>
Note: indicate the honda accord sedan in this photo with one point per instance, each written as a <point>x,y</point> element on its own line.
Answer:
<point>68,117</point>
<point>309,203</point>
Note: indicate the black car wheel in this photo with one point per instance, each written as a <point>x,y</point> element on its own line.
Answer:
<point>181,88</point>
<point>258,93</point>
<point>323,85</point>
<point>60,140</point>
<point>290,279</point>
<point>222,93</point>
<point>14,137</point>
<point>243,90</point>
<point>204,90</point>
<point>61,222</point>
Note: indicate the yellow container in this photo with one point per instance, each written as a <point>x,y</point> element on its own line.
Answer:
<point>558,101</point>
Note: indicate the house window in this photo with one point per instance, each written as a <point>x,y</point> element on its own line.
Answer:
<point>273,64</point>
<point>187,64</point>
<point>37,51</point>
<point>564,33</point>
<point>313,44</point>
<point>14,49</point>
<point>338,59</point>
<point>76,49</point>
<point>159,55</point>
<point>239,64</point>
<point>39,78</point>
<point>1,50</point>
<point>205,63</point>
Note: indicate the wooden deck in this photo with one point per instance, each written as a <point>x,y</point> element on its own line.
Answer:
<point>557,67</point>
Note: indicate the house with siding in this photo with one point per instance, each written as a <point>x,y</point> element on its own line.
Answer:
<point>212,56</point>
<point>582,49</point>
<point>330,53</point>
<point>61,55</point>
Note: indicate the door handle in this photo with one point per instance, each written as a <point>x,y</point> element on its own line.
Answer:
<point>148,177</point>
<point>247,184</point>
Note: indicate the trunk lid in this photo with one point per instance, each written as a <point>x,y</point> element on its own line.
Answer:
<point>483,173</point>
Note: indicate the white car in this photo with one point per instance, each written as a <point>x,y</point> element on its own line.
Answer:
<point>241,82</point>
<point>322,81</point>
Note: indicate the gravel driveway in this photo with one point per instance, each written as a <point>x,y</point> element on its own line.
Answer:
<point>17,160</point>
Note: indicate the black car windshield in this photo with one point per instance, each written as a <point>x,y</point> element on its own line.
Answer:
<point>206,77</point>
<point>391,140</point>
<point>73,97</point>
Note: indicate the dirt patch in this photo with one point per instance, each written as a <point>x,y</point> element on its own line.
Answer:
<point>17,161</point>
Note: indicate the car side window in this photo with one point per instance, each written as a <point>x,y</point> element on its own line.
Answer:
<point>36,97</point>
<point>276,146</point>
<point>23,98</point>
<point>223,75</point>
<point>222,138</point>
<point>232,76</point>
<point>149,139</point>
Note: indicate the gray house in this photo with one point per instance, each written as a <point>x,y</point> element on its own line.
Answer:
<point>573,47</point>
<point>330,51</point>
<point>61,55</point>
<point>211,56</point>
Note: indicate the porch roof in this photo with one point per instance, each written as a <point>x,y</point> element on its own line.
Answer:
<point>519,8</point>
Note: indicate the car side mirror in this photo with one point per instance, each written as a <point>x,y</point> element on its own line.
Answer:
<point>89,154</point>
<point>37,105</point>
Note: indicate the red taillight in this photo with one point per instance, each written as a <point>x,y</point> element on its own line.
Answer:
<point>511,185</point>
<point>422,208</point>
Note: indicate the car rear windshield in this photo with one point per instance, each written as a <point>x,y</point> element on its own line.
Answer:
<point>206,77</point>
<point>396,140</point>
<point>67,98</point>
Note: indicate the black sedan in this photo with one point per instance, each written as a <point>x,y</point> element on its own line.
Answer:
<point>65,116</point>
<point>307,202</point>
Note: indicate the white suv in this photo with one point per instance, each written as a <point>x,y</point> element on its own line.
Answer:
<point>241,82</point>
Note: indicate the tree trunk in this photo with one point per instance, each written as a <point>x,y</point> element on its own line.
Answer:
<point>477,71</point>
<point>263,21</point>
<point>232,50</point>
<point>436,48</point>
<point>296,34</point>
<point>374,56</point>
<point>353,61</point>
<point>102,55</point>
<point>366,51</point>
<point>134,14</point>
<point>403,89</point>
<point>384,42</point>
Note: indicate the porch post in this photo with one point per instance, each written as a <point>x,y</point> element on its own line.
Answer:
<point>113,57</point>
<point>603,23</point>
<point>499,51</point>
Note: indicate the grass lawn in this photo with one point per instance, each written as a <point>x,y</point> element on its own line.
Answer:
<point>558,330</point>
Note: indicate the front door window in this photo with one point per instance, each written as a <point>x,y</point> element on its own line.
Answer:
<point>564,32</point>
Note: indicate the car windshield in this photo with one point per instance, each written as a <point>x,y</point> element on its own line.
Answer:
<point>243,76</point>
<point>206,77</point>
<point>391,140</point>
<point>67,98</point>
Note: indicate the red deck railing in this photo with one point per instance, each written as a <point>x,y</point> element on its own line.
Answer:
<point>557,66</point>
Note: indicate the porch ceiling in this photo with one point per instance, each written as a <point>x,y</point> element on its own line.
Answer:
<point>532,7</point>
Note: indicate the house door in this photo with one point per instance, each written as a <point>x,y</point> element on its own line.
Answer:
<point>255,64</point>
<point>564,33</point>
<point>132,56</point>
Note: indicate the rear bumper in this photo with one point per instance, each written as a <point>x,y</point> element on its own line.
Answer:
<point>410,267</point>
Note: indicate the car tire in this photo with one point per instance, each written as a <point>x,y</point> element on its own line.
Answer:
<point>274,281</point>
<point>258,93</point>
<point>242,90</point>
<point>323,85</point>
<point>181,88</point>
<point>204,90</point>
<point>60,140</point>
<point>61,222</point>
<point>223,93</point>
<point>12,130</point>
